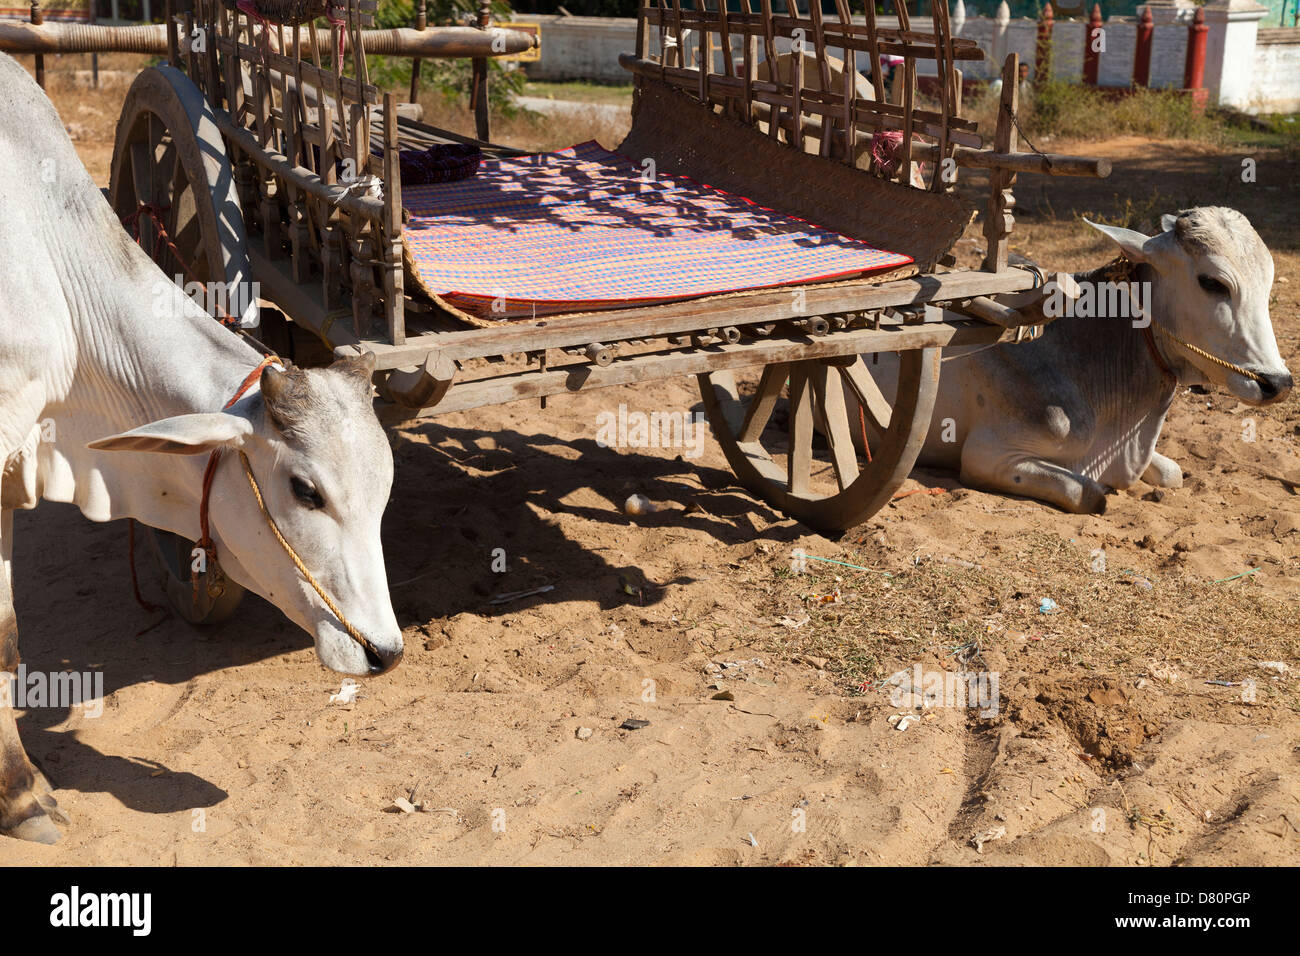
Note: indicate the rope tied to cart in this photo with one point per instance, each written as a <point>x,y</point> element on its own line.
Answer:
<point>155,213</point>
<point>1015,121</point>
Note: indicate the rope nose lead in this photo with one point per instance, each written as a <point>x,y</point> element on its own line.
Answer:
<point>352,632</point>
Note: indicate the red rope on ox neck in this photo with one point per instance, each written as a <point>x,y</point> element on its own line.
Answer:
<point>1124,269</point>
<point>205,538</point>
<point>131,222</point>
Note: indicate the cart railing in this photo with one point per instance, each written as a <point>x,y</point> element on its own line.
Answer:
<point>795,77</point>
<point>756,64</point>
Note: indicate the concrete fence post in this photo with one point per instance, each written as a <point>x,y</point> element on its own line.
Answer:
<point>1232,28</point>
<point>1142,55</point>
<point>1194,71</point>
<point>1093,40</point>
<point>1001,20</point>
<point>1043,49</point>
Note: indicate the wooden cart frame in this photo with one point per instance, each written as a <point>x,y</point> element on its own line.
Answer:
<point>242,152</point>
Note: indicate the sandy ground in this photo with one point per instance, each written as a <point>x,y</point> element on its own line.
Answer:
<point>221,746</point>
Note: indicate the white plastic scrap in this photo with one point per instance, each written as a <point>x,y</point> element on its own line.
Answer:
<point>903,721</point>
<point>371,187</point>
<point>988,836</point>
<point>1281,668</point>
<point>347,692</point>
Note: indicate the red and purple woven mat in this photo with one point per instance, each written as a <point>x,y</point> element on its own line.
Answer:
<point>585,228</point>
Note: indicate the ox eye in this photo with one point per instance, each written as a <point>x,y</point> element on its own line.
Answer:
<point>306,492</point>
<point>1212,286</point>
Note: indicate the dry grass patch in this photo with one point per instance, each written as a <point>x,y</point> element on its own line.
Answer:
<point>1121,621</point>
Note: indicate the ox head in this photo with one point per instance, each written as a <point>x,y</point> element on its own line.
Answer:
<point>1213,277</point>
<point>325,469</point>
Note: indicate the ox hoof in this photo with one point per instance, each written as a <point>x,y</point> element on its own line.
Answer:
<point>45,797</point>
<point>53,810</point>
<point>37,829</point>
<point>1093,500</point>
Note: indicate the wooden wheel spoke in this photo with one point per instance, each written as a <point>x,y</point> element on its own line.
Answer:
<point>819,399</point>
<point>829,391</point>
<point>760,408</point>
<point>801,431</point>
<point>868,394</point>
<point>140,180</point>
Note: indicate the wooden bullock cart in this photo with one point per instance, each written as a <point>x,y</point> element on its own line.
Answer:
<point>239,151</point>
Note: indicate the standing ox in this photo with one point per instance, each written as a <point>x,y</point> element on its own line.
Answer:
<point>85,355</point>
<point>1077,412</point>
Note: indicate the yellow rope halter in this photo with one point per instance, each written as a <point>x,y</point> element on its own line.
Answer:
<point>1123,269</point>
<point>1222,363</point>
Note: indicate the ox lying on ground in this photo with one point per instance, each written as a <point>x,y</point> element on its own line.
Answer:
<point>83,355</point>
<point>1076,413</point>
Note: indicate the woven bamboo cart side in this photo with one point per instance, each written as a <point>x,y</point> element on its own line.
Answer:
<point>681,136</point>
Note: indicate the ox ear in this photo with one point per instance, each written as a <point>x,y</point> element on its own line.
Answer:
<point>1133,244</point>
<point>181,435</point>
<point>1167,221</point>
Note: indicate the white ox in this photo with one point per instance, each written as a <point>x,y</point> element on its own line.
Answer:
<point>1077,412</point>
<point>83,356</point>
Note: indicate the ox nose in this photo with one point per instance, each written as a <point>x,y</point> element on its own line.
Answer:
<point>381,662</point>
<point>1275,384</point>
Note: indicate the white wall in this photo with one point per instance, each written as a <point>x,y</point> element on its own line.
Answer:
<point>583,48</point>
<point>1276,86</point>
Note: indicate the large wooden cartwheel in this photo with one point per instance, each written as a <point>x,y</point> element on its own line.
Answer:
<point>808,462</point>
<point>169,156</point>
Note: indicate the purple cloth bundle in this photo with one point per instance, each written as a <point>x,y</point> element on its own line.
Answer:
<point>440,163</point>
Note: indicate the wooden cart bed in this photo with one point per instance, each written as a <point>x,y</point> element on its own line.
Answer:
<point>585,228</point>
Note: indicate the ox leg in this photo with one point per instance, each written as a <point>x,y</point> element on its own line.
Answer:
<point>26,806</point>
<point>1163,472</point>
<point>985,463</point>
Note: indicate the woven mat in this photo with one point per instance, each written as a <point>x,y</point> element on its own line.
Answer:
<point>584,228</point>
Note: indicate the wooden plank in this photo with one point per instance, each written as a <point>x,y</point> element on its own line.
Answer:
<point>827,103</point>
<point>773,66</point>
<point>752,23</point>
<point>393,274</point>
<point>305,303</point>
<point>909,88</point>
<point>824,73</point>
<point>770,384</point>
<point>939,13</point>
<point>633,369</point>
<point>869,396</point>
<point>1049,164</point>
<point>321,79</point>
<point>279,165</point>
<point>696,314</point>
<point>799,462</point>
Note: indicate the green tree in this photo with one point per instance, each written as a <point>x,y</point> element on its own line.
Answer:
<point>448,78</point>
